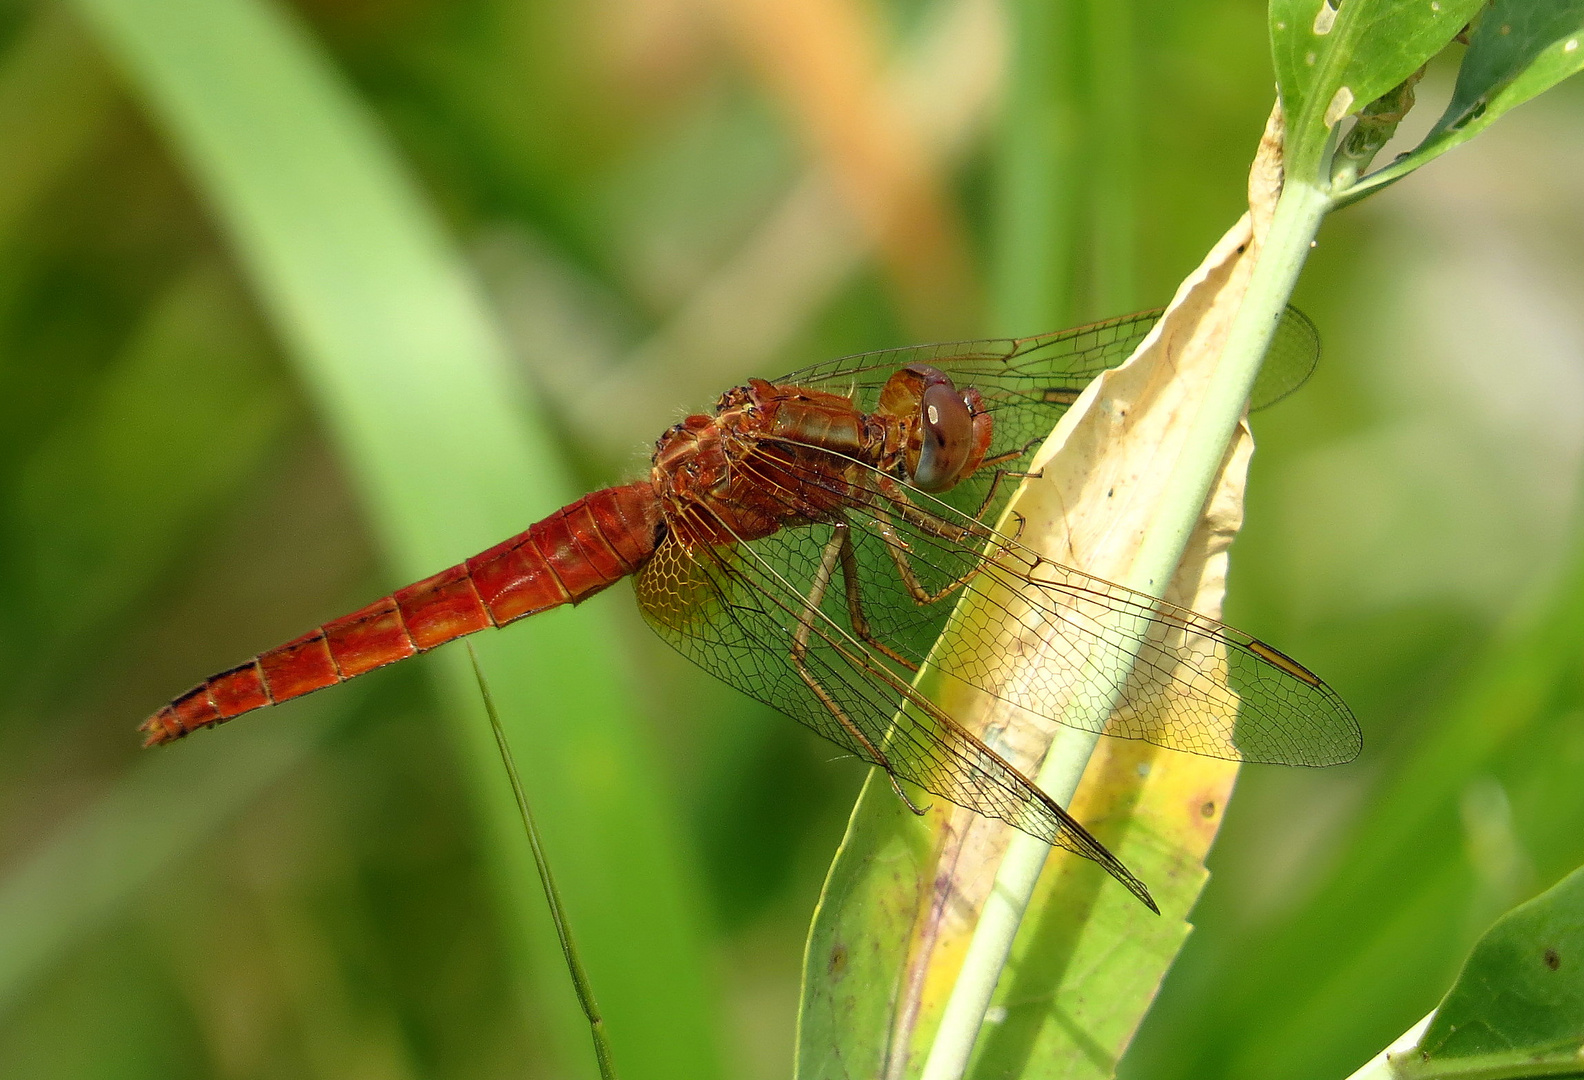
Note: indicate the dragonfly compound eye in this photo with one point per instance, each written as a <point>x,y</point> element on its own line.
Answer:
<point>946,430</point>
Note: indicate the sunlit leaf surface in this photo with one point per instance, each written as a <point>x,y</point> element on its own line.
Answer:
<point>1087,961</point>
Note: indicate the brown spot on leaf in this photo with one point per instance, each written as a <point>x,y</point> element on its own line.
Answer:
<point>1553,959</point>
<point>836,967</point>
<point>1208,809</point>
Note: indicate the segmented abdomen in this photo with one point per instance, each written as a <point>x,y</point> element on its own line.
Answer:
<point>569,556</point>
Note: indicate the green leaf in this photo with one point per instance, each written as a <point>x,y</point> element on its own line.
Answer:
<point>1519,49</point>
<point>859,939</point>
<point>1333,57</point>
<point>1521,992</point>
<point>1089,960</point>
<point>907,964</point>
<point>390,335</point>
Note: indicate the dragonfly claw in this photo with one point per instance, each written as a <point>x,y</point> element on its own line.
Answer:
<point>896,786</point>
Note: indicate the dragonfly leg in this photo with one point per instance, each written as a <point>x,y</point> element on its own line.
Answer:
<point>855,612</point>
<point>1012,474</point>
<point>907,802</point>
<point>995,483</point>
<point>895,495</point>
<point>1013,454</point>
<point>800,643</point>
<point>898,549</point>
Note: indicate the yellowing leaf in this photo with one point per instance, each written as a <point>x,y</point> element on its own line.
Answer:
<point>904,896</point>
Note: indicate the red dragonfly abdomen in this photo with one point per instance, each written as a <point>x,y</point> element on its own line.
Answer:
<point>569,556</point>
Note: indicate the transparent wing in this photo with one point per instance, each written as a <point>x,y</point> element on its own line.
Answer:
<point>754,625</point>
<point>1057,642</point>
<point>1053,368</point>
<point>1027,383</point>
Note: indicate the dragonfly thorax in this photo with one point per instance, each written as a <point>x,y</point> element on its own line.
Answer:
<point>775,455</point>
<point>770,457</point>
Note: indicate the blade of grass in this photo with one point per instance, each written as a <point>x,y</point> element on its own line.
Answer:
<point>580,979</point>
<point>392,338</point>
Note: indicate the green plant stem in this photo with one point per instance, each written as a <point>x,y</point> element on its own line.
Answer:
<point>1385,176</point>
<point>1297,218</point>
<point>580,979</point>
<point>1380,1066</point>
<point>1299,211</point>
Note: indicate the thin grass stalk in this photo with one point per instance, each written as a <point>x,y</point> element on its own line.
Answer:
<point>408,371</point>
<point>580,979</point>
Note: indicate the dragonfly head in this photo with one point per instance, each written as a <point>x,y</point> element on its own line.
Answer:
<point>949,428</point>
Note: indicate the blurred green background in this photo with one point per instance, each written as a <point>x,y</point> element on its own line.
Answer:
<point>656,199</point>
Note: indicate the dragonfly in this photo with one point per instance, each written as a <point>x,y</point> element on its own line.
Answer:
<point>806,543</point>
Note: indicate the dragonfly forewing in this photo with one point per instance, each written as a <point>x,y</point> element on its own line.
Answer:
<point>736,614</point>
<point>1028,383</point>
<point>1072,648</point>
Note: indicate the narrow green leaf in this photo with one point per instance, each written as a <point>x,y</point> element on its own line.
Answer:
<point>859,939</point>
<point>408,371</point>
<point>1089,960</point>
<point>1521,991</point>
